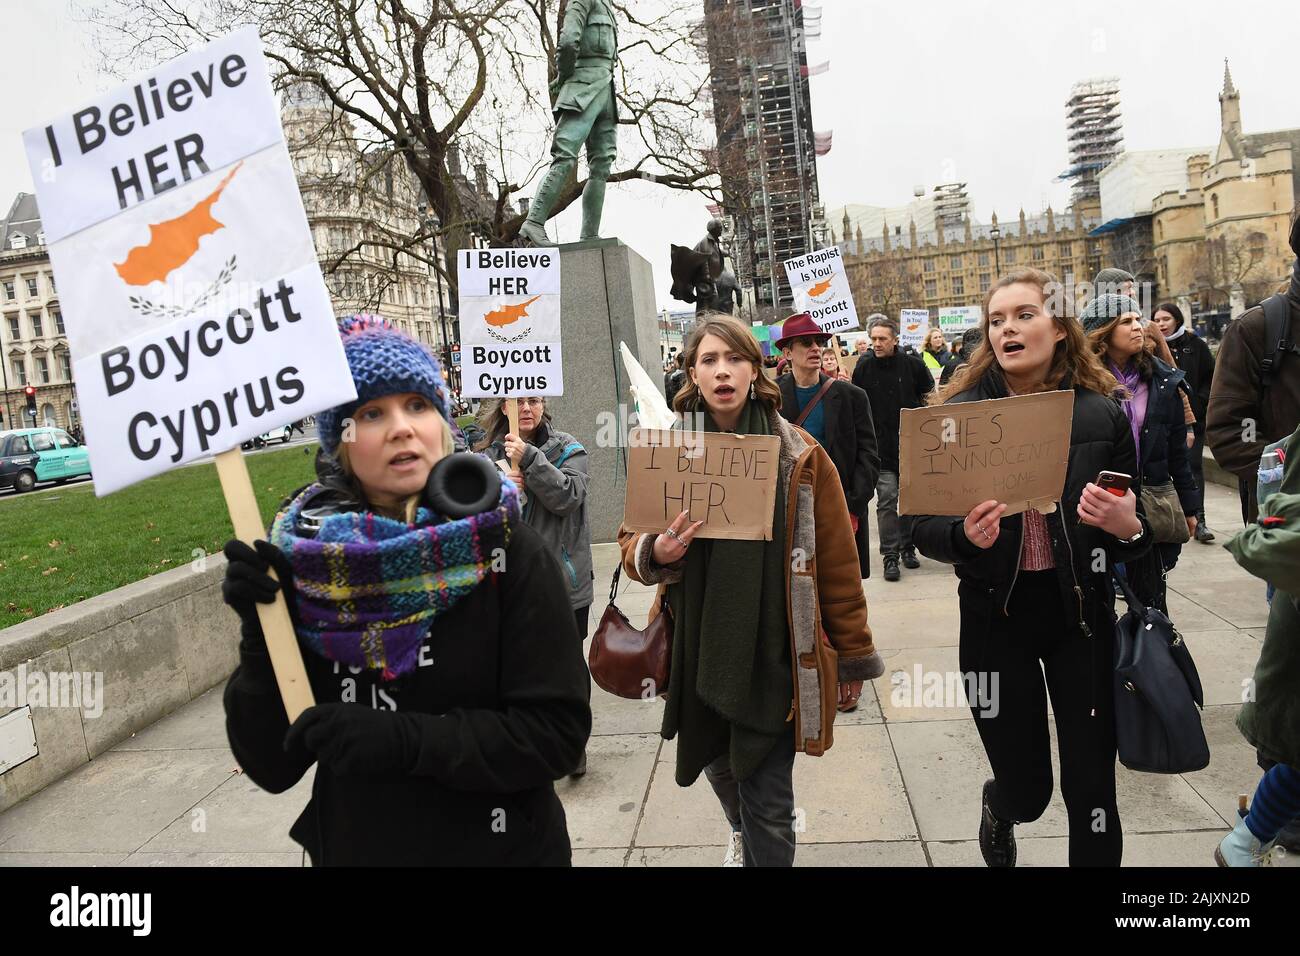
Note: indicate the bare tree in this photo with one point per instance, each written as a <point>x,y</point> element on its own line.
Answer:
<point>883,282</point>
<point>1237,261</point>
<point>414,78</point>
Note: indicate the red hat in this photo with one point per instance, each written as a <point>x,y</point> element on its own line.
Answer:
<point>800,325</point>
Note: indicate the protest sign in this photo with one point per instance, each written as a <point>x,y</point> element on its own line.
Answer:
<point>1013,450</point>
<point>194,305</point>
<point>510,322</point>
<point>728,481</point>
<point>913,326</point>
<point>821,288</point>
<point>763,335</point>
<point>959,318</point>
<point>195,310</point>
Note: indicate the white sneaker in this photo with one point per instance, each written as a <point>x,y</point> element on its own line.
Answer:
<point>735,852</point>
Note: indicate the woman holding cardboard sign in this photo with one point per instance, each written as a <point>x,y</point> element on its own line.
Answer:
<point>437,637</point>
<point>1034,592</point>
<point>752,680</point>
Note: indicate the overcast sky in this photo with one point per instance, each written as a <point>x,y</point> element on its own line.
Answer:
<point>918,93</point>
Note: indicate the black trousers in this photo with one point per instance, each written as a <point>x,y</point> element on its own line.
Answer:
<point>1011,717</point>
<point>580,618</point>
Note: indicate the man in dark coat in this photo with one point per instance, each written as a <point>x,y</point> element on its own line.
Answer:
<point>839,418</point>
<point>1243,416</point>
<point>893,380</point>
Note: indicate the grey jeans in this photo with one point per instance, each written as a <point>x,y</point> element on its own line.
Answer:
<point>762,806</point>
<point>895,532</point>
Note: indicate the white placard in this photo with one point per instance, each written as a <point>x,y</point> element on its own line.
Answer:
<point>196,313</point>
<point>821,288</point>
<point>913,326</point>
<point>959,318</point>
<point>510,322</point>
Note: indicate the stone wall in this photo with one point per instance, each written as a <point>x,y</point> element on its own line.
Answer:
<point>158,644</point>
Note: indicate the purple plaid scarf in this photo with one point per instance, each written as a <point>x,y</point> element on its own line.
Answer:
<point>369,587</point>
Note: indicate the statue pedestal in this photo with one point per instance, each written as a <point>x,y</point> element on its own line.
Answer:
<point>608,297</point>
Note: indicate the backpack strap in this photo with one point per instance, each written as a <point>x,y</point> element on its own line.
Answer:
<point>1277,337</point>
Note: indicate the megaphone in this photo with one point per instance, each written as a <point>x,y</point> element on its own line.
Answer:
<point>463,484</point>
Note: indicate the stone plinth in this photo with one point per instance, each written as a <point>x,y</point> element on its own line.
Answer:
<point>608,297</point>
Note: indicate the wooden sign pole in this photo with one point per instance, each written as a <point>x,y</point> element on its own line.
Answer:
<point>512,416</point>
<point>281,643</point>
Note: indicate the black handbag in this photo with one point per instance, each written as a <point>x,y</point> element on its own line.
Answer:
<point>1157,693</point>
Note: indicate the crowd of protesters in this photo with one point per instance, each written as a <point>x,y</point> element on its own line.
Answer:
<point>382,578</point>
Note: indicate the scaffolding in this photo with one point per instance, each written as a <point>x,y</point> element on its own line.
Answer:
<point>1094,134</point>
<point>762,113</point>
<point>951,205</point>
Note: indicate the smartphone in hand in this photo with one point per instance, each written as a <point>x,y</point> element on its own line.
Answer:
<point>1116,482</point>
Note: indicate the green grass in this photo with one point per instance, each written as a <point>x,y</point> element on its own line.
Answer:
<point>54,553</point>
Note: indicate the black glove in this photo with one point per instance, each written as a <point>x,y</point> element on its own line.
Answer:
<point>247,584</point>
<point>354,739</point>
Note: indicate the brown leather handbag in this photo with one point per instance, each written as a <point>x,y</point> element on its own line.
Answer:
<point>628,662</point>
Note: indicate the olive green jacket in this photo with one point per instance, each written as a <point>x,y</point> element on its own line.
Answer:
<point>1270,717</point>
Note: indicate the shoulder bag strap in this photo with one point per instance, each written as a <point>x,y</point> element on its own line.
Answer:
<point>807,409</point>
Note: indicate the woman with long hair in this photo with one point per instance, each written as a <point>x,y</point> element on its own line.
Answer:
<point>1035,600</point>
<point>752,679</point>
<point>441,650</point>
<point>549,467</point>
<point>935,352</point>
<point>1153,406</point>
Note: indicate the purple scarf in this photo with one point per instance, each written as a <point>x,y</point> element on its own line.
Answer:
<point>1135,405</point>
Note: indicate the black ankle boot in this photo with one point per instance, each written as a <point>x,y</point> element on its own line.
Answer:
<point>910,559</point>
<point>1203,532</point>
<point>890,562</point>
<point>997,837</point>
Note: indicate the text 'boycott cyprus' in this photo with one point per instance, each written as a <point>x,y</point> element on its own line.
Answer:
<point>175,355</point>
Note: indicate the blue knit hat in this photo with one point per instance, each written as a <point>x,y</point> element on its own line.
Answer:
<point>384,361</point>
<point>1105,308</point>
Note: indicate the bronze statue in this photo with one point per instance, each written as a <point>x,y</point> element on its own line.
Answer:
<point>586,112</point>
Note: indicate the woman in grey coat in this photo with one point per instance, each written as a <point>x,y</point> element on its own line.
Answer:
<point>550,468</point>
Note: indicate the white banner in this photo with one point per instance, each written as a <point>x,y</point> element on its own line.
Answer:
<point>510,322</point>
<point>959,318</point>
<point>196,313</point>
<point>913,325</point>
<point>821,288</point>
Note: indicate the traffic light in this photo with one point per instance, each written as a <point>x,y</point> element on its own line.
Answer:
<point>30,392</point>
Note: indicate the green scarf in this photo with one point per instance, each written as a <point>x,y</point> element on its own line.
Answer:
<point>731,685</point>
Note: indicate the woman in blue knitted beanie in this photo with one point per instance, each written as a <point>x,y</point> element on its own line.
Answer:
<point>442,653</point>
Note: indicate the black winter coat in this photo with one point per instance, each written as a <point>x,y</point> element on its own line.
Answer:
<point>1100,438</point>
<point>900,381</point>
<point>850,437</point>
<point>1194,357</point>
<point>1164,438</point>
<point>501,692</point>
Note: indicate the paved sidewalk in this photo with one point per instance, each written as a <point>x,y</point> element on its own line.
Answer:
<point>900,787</point>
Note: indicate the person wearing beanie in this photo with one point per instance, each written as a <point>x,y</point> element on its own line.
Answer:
<point>1150,399</point>
<point>441,651</point>
<point>1238,393</point>
<point>1037,609</point>
<point>1193,356</point>
<point>1113,282</point>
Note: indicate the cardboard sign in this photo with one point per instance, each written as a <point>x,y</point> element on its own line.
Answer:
<point>510,322</point>
<point>959,318</point>
<point>727,481</point>
<point>196,313</point>
<point>821,288</point>
<point>913,327</point>
<point>1013,450</point>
